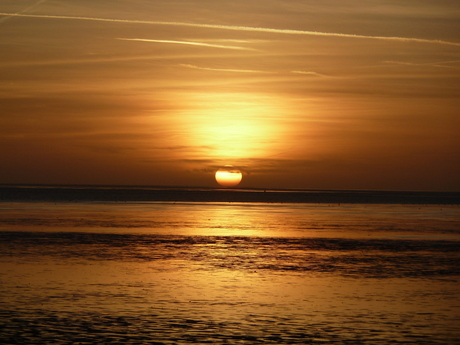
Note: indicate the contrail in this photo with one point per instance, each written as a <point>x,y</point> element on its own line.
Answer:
<point>238,28</point>
<point>24,10</point>
<point>186,43</point>
<point>223,69</point>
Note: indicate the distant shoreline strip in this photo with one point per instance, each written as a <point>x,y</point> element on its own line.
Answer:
<point>85,194</point>
<point>237,28</point>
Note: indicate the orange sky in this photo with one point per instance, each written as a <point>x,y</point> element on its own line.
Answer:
<point>331,94</point>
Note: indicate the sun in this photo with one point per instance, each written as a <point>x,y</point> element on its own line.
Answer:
<point>228,176</point>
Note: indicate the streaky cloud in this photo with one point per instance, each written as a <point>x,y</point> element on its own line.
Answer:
<point>442,64</point>
<point>237,28</point>
<point>88,60</point>
<point>311,73</point>
<point>186,43</point>
<point>223,69</point>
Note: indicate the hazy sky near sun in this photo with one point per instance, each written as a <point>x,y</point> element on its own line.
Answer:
<point>296,93</point>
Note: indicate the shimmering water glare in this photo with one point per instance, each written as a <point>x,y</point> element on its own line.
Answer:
<point>189,273</point>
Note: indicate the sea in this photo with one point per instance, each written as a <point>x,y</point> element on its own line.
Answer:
<point>127,271</point>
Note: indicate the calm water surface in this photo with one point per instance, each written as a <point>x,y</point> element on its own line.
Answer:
<point>189,273</point>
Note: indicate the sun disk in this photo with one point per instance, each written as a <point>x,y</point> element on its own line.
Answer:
<point>228,176</point>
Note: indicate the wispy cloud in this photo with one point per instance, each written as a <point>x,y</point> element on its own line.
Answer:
<point>443,64</point>
<point>91,60</point>
<point>311,73</point>
<point>223,69</point>
<point>239,28</point>
<point>192,43</point>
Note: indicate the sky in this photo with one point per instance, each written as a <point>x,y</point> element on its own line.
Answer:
<point>301,94</point>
